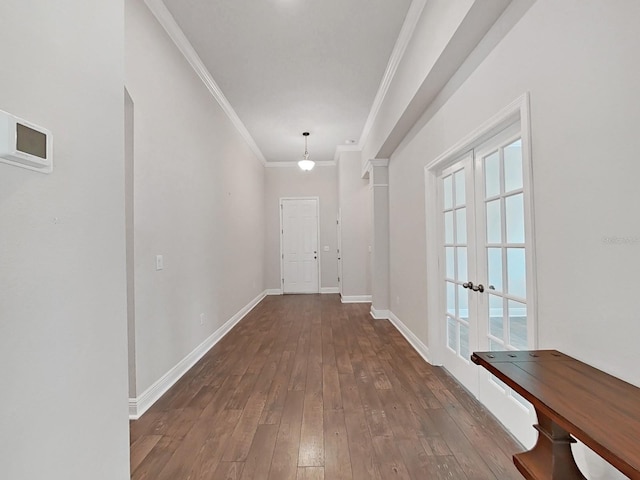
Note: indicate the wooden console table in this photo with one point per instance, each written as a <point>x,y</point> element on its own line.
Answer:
<point>571,398</point>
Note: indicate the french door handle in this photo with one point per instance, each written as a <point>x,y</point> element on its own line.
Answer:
<point>475,288</point>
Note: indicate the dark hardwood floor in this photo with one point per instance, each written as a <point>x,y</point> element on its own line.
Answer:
<point>305,387</point>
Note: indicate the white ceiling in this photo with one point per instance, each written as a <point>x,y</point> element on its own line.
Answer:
<point>288,66</point>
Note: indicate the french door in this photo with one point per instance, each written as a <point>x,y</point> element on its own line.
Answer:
<point>487,269</point>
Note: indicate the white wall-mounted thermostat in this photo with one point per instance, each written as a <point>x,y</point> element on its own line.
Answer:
<point>24,144</point>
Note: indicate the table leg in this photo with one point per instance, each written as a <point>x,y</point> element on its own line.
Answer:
<point>551,458</point>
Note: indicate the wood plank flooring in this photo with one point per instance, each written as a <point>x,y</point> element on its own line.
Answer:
<point>305,387</point>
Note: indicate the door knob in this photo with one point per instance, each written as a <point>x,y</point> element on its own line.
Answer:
<point>468,285</point>
<point>478,288</point>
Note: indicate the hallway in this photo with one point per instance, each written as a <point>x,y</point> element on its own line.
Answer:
<point>306,387</point>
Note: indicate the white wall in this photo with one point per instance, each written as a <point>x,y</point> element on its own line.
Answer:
<point>355,210</point>
<point>576,59</point>
<point>199,194</point>
<point>320,182</point>
<point>63,333</point>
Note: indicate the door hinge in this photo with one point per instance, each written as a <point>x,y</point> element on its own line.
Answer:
<point>338,278</point>
<point>283,280</point>
<point>283,256</point>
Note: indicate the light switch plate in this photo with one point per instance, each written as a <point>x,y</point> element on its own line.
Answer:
<point>159,262</point>
<point>326,248</point>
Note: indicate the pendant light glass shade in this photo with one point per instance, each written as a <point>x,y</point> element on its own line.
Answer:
<point>305,164</point>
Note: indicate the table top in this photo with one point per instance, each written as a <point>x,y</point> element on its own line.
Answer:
<point>599,409</point>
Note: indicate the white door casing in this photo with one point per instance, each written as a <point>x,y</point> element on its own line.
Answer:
<point>299,253</point>
<point>339,228</point>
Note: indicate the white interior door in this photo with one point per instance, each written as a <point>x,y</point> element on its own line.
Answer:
<point>458,266</point>
<point>299,245</point>
<point>505,265</point>
<point>486,269</point>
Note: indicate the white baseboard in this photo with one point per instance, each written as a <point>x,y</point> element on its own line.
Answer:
<point>415,342</point>
<point>355,298</point>
<point>329,290</point>
<point>379,314</point>
<point>139,405</point>
<point>278,291</point>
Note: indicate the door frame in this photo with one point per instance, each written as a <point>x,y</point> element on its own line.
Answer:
<point>317,200</point>
<point>339,233</point>
<point>517,111</point>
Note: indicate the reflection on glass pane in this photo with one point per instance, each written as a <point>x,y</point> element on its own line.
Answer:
<point>496,316</point>
<point>513,166</point>
<point>492,174</point>
<point>518,325</point>
<point>448,192</point>
<point>515,218</point>
<point>464,342</point>
<point>462,264</point>
<point>452,334</point>
<point>450,261</point>
<point>459,184</point>
<point>494,267</point>
<point>463,303</point>
<point>494,345</point>
<point>451,298</point>
<point>494,233</point>
<point>448,227</point>
<point>516,272</point>
<point>461,226</point>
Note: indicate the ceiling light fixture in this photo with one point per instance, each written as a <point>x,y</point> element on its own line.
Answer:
<point>306,164</point>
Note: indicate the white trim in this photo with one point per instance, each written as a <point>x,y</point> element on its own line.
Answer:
<point>295,164</point>
<point>273,291</point>
<point>139,405</point>
<point>399,49</point>
<point>176,34</point>
<point>414,341</point>
<point>355,298</point>
<point>329,290</point>
<point>379,314</point>
<point>373,162</point>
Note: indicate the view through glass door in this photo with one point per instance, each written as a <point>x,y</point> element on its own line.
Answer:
<point>487,271</point>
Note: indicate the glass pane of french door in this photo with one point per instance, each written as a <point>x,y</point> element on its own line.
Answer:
<point>505,253</point>
<point>504,322</point>
<point>455,245</point>
<point>457,201</point>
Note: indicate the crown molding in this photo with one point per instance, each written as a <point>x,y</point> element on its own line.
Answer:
<point>406,32</point>
<point>295,164</point>
<point>166,20</point>
<point>345,148</point>
<point>373,162</point>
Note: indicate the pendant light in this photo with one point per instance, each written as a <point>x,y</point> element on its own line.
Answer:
<point>306,164</point>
